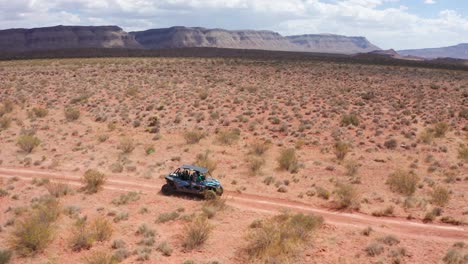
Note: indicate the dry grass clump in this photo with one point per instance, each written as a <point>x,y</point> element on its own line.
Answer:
<point>93,180</point>
<point>259,147</point>
<point>28,142</point>
<point>127,145</point>
<point>40,112</point>
<point>346,196</point>
<point>254,164</point>
<point>440,129</point>
<point>194,136</point>
<point>228,137</point>
<point>341,149</point>
<point>197,233</point>
<point>58,189</point>
<point>211,207</point>
<point>126,198</point>
<point>352,167</point>
<point>288,160</point>
<point>5,256</point>
<point>5,123</point>
<point>455,254</point>
<point>204,160</point>
<point>100,257</point>
<point>32,234</point>
<point>278,240</point>
<point>463,152</point>
<point>404,182</point>
<point>84,234</point>
<point>71,113</point>
<point>349,119</point>
<point>440,196</point>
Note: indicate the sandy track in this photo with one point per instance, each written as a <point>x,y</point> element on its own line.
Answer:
<point>394,225</point>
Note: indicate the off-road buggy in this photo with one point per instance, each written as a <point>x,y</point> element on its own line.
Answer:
<point>194,180</point>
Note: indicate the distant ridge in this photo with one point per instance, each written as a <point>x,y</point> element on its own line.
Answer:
<point>75,37</point>
<point>459,51</point>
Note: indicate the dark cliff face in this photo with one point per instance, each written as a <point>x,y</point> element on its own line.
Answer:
<point>75,37</point>
<point>178,37</point>
<point>63,37</point>
<point>459,52</point>
<point>333,43</point>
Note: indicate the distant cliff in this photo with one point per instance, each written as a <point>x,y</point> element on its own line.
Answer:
<point>63,37</point>
<point>459,52</point>
<point>179,37</point>
<point>328,43</point>
<point>76,37</point>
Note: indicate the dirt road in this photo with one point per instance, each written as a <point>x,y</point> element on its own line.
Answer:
<point>394,225</point>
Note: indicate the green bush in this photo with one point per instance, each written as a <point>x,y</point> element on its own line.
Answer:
<point>28,142</point>
<point>194,136</point>
<point>93,180</point>
<point>71,113</point>
<point>404,182</point>
<point>197,233</point>
<point>278,239</point>
<point>32,234</point>
<point>288,160</point>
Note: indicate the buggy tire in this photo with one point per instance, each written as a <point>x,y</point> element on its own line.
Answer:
<point>209,195</point>
<point>167,189</point>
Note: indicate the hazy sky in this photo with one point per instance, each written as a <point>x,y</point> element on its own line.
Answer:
<point>395,24</point>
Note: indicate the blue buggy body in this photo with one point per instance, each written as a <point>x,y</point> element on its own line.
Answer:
<point>194,180</point>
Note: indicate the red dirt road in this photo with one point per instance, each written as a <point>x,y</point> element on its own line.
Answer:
<point>394,225</point>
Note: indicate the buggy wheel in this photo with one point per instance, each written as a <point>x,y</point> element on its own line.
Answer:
<point>209,195</point>
<point>167,189</point>
<point>219,191</point>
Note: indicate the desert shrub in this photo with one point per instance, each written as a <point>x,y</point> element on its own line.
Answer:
<point>204,160</point>
<point>228,137</point>
<point>288,160</point>
<point>349,119</point>
<point>322,192</point>
<point>346,196</point>
<point>367,231</point>
<point>58,189</point>
<point>127,145</point>
<point>165,248</point>
<point>71,113</point>
<point>33,233</point>
<point>28,142</point>
<point>269,180</point>
<point>166,217</point>
<point>194,136</point>
<point>100,257</point>
<point>203,94</point>
<point>384,212</point>
<point>404,182</point>
<point>5,256</point>
<point>40,112</point>
<point>101,229</point>
<point>126,198</point>
<point>5,122</point>
<point>197,233</point>
<point>389,240</point>
<point>391,143</point>
<point>352,167</point>
<point>440,196</point>
<point>426,137</point>
<point>374,249</point>
<point>93,180</point>
<point>82,237</point>
<point>277,239</point>
<point>211,207</point>
<point>463,113</point>
<point>341,149</point>
<point>455,256</point>
<point>254,164</point>
<point>6,107</point>
<point>463,152</point>
<point>440,129</point>
<point>259,147</point>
